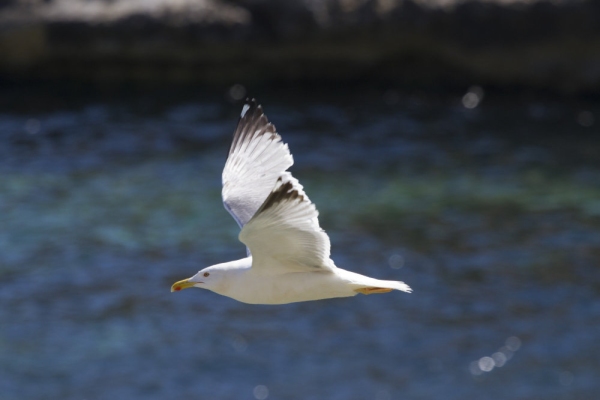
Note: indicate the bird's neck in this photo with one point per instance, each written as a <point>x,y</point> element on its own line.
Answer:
<point>234,273</point>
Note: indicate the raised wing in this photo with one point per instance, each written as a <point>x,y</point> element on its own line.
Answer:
<point>286,229</point>
<point>257,158</point>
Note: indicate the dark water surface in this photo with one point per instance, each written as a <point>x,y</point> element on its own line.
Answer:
<point>491,214</point>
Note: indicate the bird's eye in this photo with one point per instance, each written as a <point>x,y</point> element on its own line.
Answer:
<point>206,274</point>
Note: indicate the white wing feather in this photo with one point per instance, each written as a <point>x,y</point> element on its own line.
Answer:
<point>286,229</point>
<point>257,158</point>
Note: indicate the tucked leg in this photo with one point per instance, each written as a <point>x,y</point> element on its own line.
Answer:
<point>371,290</point>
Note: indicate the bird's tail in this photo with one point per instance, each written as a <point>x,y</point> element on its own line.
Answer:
<point>366,285</point>
<point>399,285</point>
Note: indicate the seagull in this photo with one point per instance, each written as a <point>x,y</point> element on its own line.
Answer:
<point>288,254</point>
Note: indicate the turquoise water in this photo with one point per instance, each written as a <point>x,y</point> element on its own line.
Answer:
<point>491,214</point>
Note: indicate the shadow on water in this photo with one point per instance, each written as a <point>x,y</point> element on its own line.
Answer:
<point>489,209</point>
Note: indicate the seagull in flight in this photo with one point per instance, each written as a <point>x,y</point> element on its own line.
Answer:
<point>288,252</point>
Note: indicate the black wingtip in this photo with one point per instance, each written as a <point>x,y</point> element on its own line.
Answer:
<point>251,108</point>
<point>252,122</point>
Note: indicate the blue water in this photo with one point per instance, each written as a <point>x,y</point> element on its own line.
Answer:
<point>491,215</point>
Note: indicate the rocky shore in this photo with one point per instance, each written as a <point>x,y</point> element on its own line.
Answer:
<point>548,45</point>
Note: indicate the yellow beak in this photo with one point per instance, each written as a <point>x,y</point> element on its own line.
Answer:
<point>184,284</point>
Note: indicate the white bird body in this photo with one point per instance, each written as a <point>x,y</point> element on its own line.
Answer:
<point>288,253</point>
<point>279,283</point>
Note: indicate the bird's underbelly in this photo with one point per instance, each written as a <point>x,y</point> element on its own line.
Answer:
<point>289,288</point>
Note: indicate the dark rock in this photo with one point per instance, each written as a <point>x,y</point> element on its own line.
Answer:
<point>535,44</point>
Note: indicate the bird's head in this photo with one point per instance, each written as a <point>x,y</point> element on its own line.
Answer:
<point>208,278</point>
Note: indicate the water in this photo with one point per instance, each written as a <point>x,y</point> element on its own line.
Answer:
<point>491,214</point>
